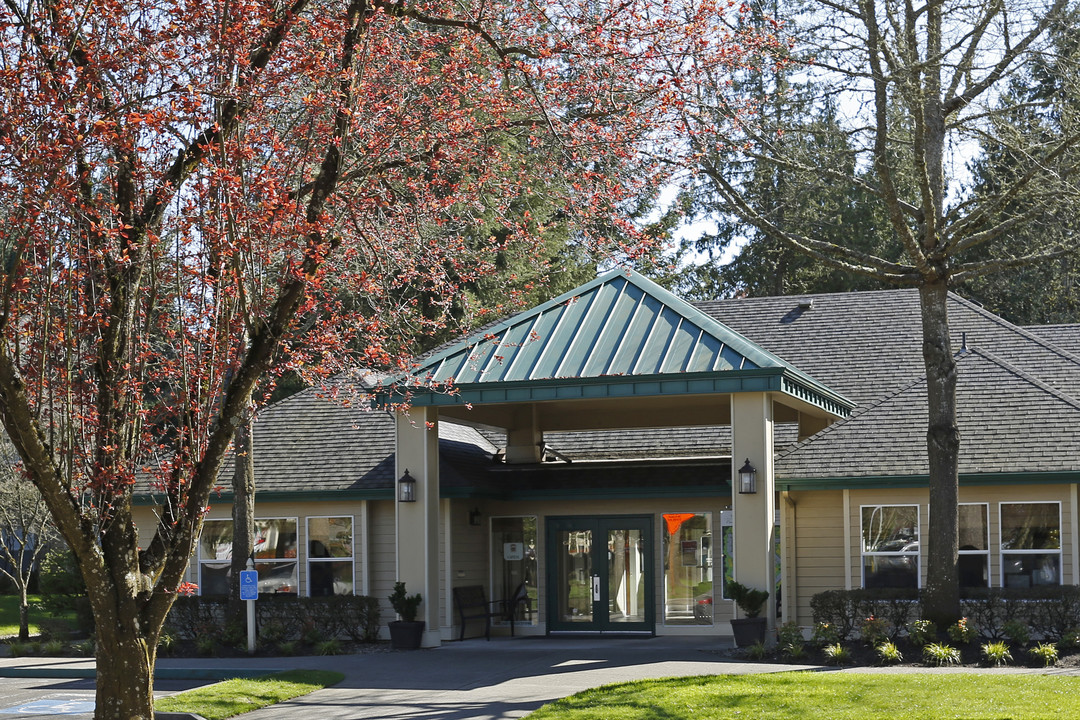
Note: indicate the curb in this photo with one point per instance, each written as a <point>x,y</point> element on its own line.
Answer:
<point>171,673</point>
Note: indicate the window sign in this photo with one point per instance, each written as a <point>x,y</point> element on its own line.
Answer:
<point>513,551</point>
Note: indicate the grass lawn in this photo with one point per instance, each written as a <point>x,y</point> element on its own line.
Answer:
<point>232,697</point>
<point>827,696</point>
<point>9,615</point>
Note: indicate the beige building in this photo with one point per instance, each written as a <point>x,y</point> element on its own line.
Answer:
<point>588,453</point>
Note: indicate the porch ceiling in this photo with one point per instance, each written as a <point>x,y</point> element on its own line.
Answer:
<point>618,337</point>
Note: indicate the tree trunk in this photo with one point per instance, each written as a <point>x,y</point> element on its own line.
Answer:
<point>24,614</point>
<point>125,668</point>
<point>942,593</point>
<point>243,514</point>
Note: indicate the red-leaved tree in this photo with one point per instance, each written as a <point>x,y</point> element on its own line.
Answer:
<point>197,194</point>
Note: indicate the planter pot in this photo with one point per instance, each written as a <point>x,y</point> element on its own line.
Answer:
<point>749,631</point>
<point>406,635</point>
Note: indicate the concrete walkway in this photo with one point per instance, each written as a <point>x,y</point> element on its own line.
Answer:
<point>471,680</point>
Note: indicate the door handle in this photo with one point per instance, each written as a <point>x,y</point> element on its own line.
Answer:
<point>596,588</point>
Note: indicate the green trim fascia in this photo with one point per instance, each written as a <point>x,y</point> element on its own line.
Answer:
<point>722,490</point>
<point>773,379</point>
<point>886,482</point>
<point>458,493</point>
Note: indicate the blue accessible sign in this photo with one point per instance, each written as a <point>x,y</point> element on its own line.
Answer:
<point>249,585</point>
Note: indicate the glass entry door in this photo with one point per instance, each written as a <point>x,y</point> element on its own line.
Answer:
<point>600,574</point>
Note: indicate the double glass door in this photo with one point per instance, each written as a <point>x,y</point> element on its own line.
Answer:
<point>600,574</point>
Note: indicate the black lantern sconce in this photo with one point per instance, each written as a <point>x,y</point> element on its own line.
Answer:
<point>747,479</point>
<point>406,488</point>
<point>474,517</point>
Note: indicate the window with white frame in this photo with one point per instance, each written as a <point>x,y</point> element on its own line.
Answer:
<point>275,556</point>
<point>974,536</point>
<point>330,556</point>
<point>890,546</point>
<point>215,557</point>
<point>1030,544</point>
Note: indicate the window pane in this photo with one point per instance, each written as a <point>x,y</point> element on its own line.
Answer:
<point>891,571</point>
<point>974,572</point>
<point>333,577</point>
<point>330,537</point>
<point>973,527</point>
<point>890,529</point>
<point>1030,526</point>
<point>688,569</point>
<point>215,579</point>
<point>275,538</point>
<point>1030,569</point>
<point>513,563</point>
<point>277,578</point>
<point>215,543</point>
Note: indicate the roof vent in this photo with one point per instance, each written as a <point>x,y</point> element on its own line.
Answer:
<point>806,304</point>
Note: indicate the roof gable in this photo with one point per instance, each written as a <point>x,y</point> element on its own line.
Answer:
<point>621,326</point>
<point>618,324</point>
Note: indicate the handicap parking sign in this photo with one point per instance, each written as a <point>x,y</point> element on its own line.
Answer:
<point>249,585</point>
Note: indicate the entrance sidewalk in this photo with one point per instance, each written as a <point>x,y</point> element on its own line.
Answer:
<point>471,680</point>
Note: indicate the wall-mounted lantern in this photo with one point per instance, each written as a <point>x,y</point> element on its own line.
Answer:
<point>747,478</point>
<point>406,488</point>
<point>474,517</point>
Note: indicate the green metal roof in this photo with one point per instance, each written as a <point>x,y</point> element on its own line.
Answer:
<point>618,335</point>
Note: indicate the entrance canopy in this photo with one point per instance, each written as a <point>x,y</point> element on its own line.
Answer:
<point>620,350</point>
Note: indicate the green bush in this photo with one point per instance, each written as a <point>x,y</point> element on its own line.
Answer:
<point>996,653</point>
<point>939,654</point>
<point>53,647</point>
<point>845,610</point>
<point>837,654</point>
<point>757,651</point>
<point>962,631</point>
<point>824,634</point>
<point>1017,632</point>
<point>888,653</point>
<point>1046,652</point>
<point>329,647</point>
<point>873,630</point>
<point>921,632</point>
<point>63,590</point>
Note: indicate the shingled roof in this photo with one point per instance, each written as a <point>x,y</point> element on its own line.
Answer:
<point>866,345</point>
<point>1018,396</point>
<point>1009,422</point>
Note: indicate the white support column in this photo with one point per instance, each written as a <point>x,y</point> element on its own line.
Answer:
<point>1074,517</point>
<point>418,522</point>
<point>755,515</point>
<point>364,534</point>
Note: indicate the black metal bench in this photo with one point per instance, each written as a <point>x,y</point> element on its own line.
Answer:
<point>472,604</point>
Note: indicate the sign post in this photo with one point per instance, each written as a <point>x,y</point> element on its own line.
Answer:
<point>249,591</point>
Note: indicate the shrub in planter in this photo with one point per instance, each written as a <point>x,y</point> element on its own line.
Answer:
<point>407,633</point>
<point>749,629</point>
